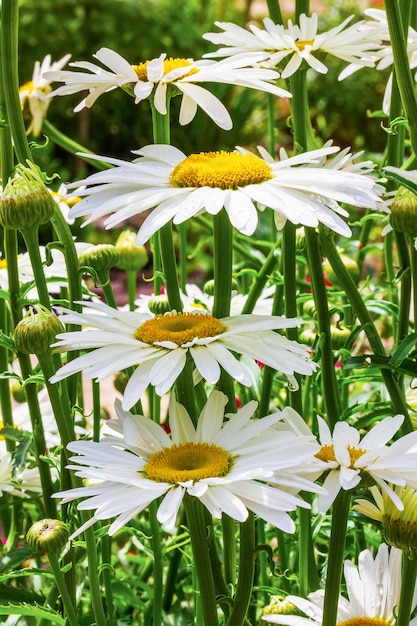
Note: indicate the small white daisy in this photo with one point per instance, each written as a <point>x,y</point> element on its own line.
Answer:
<point>227,466</point>
<point>302,189</point>
<point>301,42</point>
<point>161,345</point>
<point>348,459</point>
<point>35,93</point>
<point>162,78</point>
<point>373,588</point>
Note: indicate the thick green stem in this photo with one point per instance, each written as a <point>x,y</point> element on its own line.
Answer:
<point>199,543</point>
<point>246,572</point>
<point>69,608</point>
<point>408,583</point>
<point>261,279</point>
<point>335,558</point>
<point>157,565</point>
<point>9,60</point>
<point>329,383</point>
<point>31,238</point>
<point>402,66</point>
<point>223,263</point>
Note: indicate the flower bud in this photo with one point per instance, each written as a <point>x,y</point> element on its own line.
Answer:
<point>25,202</point>
<point>209,287</point>
<point>280,606</point>
<point>351,266</point>
<point>159,305</point>
<point>36,331</point>
<point>101,258</point>
<point>132,258</point>
<point>403,215</point>
<point>47,535</point>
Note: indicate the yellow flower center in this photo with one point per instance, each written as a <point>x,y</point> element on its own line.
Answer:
<point>180,328</point>
<point>169,65</point>
<point>3,264</point>
<point>303,43</point>
<point>327,454</point>
<point>224,170</point>
<point>365,621</point>
<point>188,461</point>
<point>30,87</point>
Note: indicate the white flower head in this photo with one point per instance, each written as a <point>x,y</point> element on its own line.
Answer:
<point>35,93</point>
<point>348,458</point>
<point>160,346</point>
<point>226,465</point>
<point>17,481</point>
<point>302,189</point>
<point>298,43</point>
<point>162,77</point>
<point>373,588</point>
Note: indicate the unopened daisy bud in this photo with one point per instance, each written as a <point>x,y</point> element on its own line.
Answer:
<point>35,333</point>
<point>351,266</point>
<point>25,201</point>
<point>120,381</point>
<point>47,535</point>
<point>339,335</point>
<point>131,257</point>
<point>209,287</point>
<point>101,258</point>
<point>403,215</point>
<point>300,241</point>
<point>280,606</point>
<point>308,336</point>
<point>159,305</point>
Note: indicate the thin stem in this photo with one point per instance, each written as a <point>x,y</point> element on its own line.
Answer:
<point>359,306</point>
<point>199,542</point>
<point>30,235</point>
<point>335,557</point>
<point>131,276</point>
<point>261,279</point>
<point>157,565</point>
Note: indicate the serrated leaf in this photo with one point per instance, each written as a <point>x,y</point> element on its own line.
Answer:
<point>404,349</point>
<point>14,558</point>
<point>7,342</point>
<point>34,610</point>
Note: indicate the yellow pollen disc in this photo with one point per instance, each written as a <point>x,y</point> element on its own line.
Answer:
<point>3,264</point>
<point>302,44</point>
<point>188,461</point>
<point>30,87</point>
<point>169,65</point>
<point>327,454</point>
<point>179,328</point>
<point>224,170</point>
<point>365,621</point>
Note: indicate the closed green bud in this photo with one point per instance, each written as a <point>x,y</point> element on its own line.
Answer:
<point>403,215</point>
<point>132,258</point>
<point>47,535</point>
<point>280,606</point>
<point>209,287</point>
<point>101,258</point>
<point>25,202</point>
<point>159,305</point>
<point>351,266</point>
<point>36,331</point>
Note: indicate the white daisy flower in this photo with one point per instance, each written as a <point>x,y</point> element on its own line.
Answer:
<point>378,24</point>
<point>350,459</point>
<point>301,42</point>
<point>373,588</point>
<point>35,93</point>
<point>162,78</point>
<point>17,481</point>
<point>161,345</point>
<point>225,465</point>
<point>299,189</point>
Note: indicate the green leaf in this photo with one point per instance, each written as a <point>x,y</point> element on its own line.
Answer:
<point>34,610</point>
<point>404,349</point>
<point>408,184</point>
<point>13,559</point>
<point>7,342</point>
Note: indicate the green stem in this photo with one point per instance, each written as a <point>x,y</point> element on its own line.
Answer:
<point>157,584</point>
<point>408,583</point>
<point>131,276</point>
<point>107,572</point>
<point>246,572</point>
<point>402,65</point>
<point>9,60</point>
<point>304,137</point>
<point>229,549</point>
<point>329,383</point>
<point>223,263</point>
<point>275,11</point>
<point>340,516</point>
<point>71,146</point>
<point>30,235</point>
<point>5,399</point>
<point>359,306</point>
<point>261,279</point>
<point>199,543</point>
<point>69,608</point>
